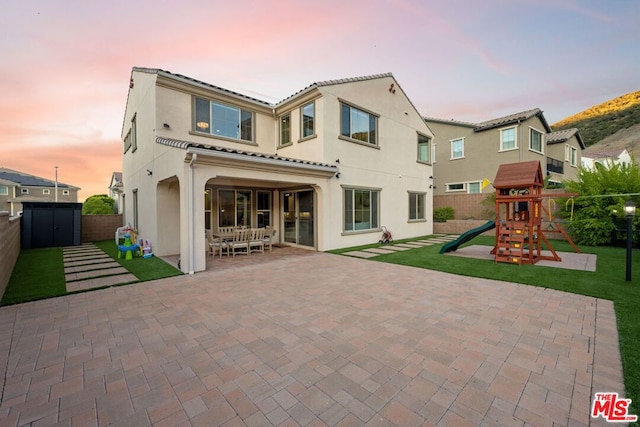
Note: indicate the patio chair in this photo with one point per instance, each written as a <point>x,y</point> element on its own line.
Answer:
<point>240,242</point>
<point>216,244</point>
<point>257,240</point>
<point>269,232</point>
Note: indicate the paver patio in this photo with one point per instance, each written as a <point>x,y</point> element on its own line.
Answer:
<point>316,339</point>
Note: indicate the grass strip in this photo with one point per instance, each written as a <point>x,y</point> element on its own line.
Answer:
<point>38,274</point>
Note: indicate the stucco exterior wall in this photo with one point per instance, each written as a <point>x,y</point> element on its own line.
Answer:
<point>170,181</point>
<point>482,155</point>
<point>9,247</point>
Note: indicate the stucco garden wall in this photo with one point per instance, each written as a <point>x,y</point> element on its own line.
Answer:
<point>100,227</point>
<point>9,247</point>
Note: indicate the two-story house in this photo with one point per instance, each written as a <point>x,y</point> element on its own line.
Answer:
<point>326,167</point>
<point>467,155</point>
<point>17,187</point>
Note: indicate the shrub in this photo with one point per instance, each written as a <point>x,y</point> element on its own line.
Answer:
<point>443,214</point>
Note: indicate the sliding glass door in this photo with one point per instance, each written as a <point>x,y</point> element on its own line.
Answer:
<point>298,217</point>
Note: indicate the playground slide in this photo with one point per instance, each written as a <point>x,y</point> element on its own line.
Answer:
<point>466,236</point>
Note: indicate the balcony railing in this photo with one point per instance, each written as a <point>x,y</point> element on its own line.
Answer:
<point>554,165</point>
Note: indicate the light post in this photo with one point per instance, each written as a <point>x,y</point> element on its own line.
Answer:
<point>630,211</point>
<point>56,185</point>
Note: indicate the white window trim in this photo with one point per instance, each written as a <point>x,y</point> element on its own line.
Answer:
<point>429,147</point>
<point>468,185</point>
<point>315,121</point>
<point>451,149</point>
<point>46,191</point>
<point>567,155</point>
<point>4,190</point>
<point>360,188</point>
<point>515,137</point>
<point>424,206</point>
<point>542,140</point>
<point>65,192</point>
<point>24,191</point>
<point>461,190</point>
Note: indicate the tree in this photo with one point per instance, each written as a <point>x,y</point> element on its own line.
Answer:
<point>98,204</point>
<point>598,210</point>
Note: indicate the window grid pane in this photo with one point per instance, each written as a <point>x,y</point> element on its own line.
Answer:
<point>457,149</point>
<point>308,115</point>
<point>424,148</point>
<point>285,129</point>
<point>508,138</point>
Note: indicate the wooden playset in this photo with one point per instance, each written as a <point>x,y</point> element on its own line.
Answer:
<point>519,208</point>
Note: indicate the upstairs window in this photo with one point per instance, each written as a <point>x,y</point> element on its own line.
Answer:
<point>46,191</point>
<point>535,141</point>
<point>457,148</point>
<point>508,139</point>
<point>285,129</point>
<point>134,134</point>
<point>24,190</point>
<point>358,124</point>
<point>218,119</point>
<point>308,115</point>
<point>571,155</point>
<point>424,149</point>
<point>4,190</point>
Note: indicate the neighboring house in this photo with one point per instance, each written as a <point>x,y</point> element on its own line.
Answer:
<point>326,167</point>
<point>467,155</point>
<point>116,189</point>
<point>564,154</point>
<point>605,157</point>
<point>17,187</point>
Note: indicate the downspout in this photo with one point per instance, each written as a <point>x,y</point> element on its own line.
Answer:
<point>194,157</point>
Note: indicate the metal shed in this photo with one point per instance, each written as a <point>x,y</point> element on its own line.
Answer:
<point>46,224</point>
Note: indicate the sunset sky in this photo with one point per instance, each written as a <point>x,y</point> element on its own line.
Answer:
<point>66,64</point>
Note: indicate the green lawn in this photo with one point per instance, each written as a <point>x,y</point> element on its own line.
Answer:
<point>39,273</point>
<point>607,282</point>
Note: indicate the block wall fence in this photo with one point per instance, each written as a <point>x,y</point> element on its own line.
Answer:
<point>9,247</point>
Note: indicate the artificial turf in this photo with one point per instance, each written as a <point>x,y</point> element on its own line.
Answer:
<point>39,273</point>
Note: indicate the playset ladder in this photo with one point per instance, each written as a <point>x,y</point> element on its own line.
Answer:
<point>511,240</point>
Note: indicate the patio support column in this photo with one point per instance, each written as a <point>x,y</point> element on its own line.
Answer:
<point>191,219</point>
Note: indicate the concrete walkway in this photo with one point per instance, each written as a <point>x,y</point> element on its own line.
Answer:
<point>309,340</point>
<point>89,267</point>
<point>394,247</point>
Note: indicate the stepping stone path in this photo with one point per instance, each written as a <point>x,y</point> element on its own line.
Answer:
<point>436,239</point>
<point>88,267</point>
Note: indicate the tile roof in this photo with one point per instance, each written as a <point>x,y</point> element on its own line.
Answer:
<point>564,135</point>
<point>184,145</point>
<point>494,123</point>
<point>259,101</point>
<point>200,83</point>
<point>336,82</point>
<point>513,118</point>
<point>27,180</point>
<point>604,153</point>
<point>449,122</point>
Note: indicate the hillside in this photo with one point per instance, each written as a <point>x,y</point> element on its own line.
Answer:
<point>604,121</point>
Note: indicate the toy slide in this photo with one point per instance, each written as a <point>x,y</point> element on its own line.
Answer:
<point>466,236</point>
